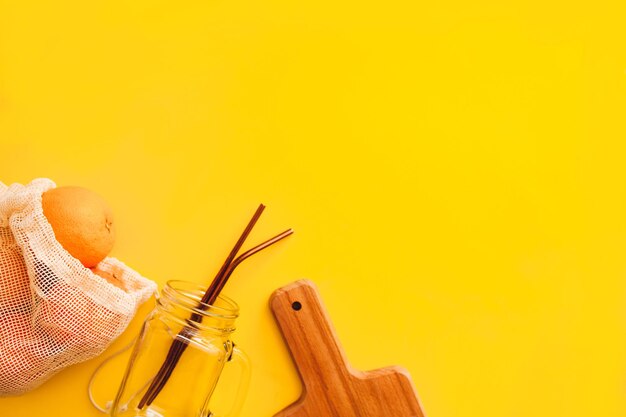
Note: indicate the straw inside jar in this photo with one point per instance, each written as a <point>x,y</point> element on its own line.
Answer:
<point>179,345</point>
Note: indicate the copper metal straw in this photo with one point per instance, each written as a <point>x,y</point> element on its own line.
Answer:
<point>179,344</point>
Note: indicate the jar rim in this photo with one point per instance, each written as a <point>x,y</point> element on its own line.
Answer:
<point>184,290</point>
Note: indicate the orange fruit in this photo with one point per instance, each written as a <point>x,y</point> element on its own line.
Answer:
<point>75,321</point>
<point>112,278</point>
<point>15,292</point>
<point>24,354</point>
<point>82,223</point>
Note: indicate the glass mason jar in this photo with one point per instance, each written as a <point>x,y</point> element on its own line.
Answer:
<point>179,317</point>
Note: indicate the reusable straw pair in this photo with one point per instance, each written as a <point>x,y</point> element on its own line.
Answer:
<point>180,344</point>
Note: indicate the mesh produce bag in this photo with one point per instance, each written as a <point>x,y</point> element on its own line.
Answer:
<point>54,312</point>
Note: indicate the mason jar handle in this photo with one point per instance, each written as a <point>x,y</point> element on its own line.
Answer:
<point>107,407</point>
<point>240,358</point>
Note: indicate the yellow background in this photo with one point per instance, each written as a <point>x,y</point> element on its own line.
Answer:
<point>454,172</point>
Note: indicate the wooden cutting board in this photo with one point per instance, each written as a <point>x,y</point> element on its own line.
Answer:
<point>331,387</point>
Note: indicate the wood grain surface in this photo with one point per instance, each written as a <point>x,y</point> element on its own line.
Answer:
<point>331,387</point>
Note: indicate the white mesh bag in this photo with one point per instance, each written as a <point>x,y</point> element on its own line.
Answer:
<point>54,312</point>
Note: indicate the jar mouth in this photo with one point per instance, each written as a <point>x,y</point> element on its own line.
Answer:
<point>190,294</point>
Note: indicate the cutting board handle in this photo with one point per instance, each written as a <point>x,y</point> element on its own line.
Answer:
<point>309,334</point>
<point>331,387</point>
